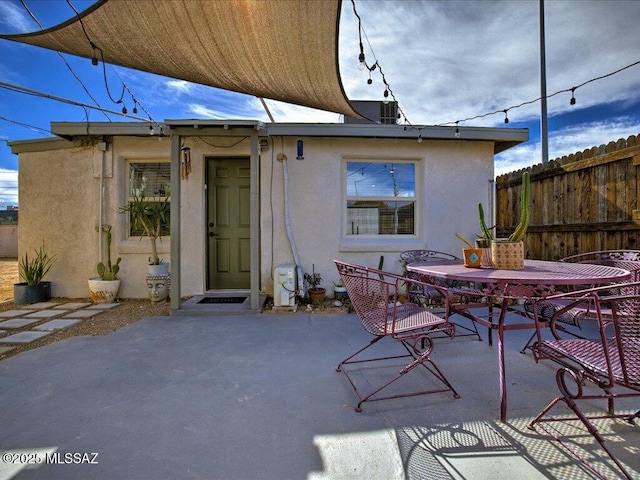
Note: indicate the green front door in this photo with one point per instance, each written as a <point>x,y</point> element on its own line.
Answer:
<point>228,223</point>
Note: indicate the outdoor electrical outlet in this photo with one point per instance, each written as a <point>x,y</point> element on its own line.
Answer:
<point>281,157</point>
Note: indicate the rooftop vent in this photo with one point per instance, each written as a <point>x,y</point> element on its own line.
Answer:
<point>378,112</point>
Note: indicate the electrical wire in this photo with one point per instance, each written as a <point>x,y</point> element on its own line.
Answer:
<point>65,60</point>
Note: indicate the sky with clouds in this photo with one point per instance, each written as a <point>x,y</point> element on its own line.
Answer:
<point>445,61</point>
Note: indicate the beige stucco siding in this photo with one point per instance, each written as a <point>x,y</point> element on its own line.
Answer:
<point>451,178</point>
<point>60,198</point>
<point>59,204</point>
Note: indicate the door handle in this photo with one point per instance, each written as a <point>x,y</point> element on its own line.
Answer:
<point>211,234</point>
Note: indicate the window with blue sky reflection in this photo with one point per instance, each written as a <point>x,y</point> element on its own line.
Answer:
<point>380,198</point>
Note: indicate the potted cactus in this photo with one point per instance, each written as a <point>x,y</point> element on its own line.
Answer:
<point>104,288</point>
<point>484,243</point>
<point>509,253</point>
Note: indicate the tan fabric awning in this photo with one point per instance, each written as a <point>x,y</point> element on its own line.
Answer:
<point>284,50</point>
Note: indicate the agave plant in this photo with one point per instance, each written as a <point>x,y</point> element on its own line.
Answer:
<point>33,270</point>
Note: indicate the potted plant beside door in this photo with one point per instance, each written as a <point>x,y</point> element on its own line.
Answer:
<point>32,271</point>
<point>150,215</point>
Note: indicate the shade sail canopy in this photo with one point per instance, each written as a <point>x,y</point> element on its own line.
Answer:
<point>283,50</point>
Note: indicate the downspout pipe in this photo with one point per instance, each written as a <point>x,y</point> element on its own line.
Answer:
<point>102,147</point>
<point>296,258</point>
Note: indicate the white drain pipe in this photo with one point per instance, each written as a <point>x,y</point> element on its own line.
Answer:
<point>296,258</point>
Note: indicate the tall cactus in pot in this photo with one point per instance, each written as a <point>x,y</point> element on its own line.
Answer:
<point>525,194</point>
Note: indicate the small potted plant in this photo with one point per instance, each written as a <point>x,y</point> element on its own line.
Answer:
<point>32,271</point>
<point>104,288</point>
<point>316,293</point>
<point>340,291</point>
<point>150,216</point>
<point>472,255</point>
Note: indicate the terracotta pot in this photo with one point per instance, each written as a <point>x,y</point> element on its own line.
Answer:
<point>507,255</point>
<point>316,294</point>
<point>472,257</point>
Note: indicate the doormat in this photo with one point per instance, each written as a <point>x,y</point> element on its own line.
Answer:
<point>223,300</point>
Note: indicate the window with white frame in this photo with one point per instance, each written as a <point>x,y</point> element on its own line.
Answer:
<point>381,198</point>
<point>151,181</point>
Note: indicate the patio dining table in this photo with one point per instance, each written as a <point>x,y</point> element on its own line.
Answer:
<point>507,288</point>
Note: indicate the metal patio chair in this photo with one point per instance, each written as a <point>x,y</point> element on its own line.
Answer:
<point>625,259</point>
<point>432,296</point>
<point>383,303</point>
<point>611,361</point>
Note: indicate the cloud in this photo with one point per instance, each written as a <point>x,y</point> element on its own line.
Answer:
<point>8,187</point>
<point>567,141</point>
<point>181,86</point>
<point>14,18</point>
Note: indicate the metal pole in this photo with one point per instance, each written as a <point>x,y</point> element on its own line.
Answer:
<point>544,134</point>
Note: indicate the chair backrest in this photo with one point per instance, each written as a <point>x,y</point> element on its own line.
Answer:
<point>626,259</point>
<point>370,297</point>
<point>410,256</point>
<point>621,330</point>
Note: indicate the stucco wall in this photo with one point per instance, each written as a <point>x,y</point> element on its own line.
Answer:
<point>8,241</point>
<point>453,177</point>
<point>60,202</point>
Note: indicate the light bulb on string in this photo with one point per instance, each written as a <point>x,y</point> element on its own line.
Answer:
<point>385,100</point>
<point>151,130</point>
<point>420,138</point>
<point>573,99</point>
<point>506,119</point>
<point>457,131</point>
<point>124,110</point>
<point>361,60</point>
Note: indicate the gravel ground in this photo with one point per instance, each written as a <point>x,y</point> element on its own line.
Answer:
<point>129,311</point>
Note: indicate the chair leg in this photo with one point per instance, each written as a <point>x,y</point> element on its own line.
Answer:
<point>570,400</point>
<point>420,356</point>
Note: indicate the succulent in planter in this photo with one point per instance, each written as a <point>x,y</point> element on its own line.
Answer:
<point>32,271</point>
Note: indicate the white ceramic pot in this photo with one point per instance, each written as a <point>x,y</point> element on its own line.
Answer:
<point>157,270</point>
<point>103,291</point>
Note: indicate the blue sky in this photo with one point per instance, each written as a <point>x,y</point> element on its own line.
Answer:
<point>444,60</point>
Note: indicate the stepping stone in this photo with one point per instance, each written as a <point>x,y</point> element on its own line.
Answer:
<point>72,306</point>
<point>103,306</point>
<point>59,324</point>
<point>14,313</point>
<point>24,337</point>
<point>6,349</point>
<point>84,314</point>
<point>46,314</point>
<point>18,322</point>
<point>43,305</point>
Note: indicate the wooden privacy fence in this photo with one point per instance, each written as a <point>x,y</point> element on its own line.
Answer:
<point>579,203</point>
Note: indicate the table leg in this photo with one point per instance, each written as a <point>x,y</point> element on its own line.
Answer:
<point>501,366</point>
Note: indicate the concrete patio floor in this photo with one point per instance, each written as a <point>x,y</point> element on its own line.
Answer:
<point>257,397</point>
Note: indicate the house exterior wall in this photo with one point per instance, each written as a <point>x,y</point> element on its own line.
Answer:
<point>452,177</point>
<point>60,198</point>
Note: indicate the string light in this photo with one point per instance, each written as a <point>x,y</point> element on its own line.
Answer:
<point>571,90</point>
<point>506,119</point>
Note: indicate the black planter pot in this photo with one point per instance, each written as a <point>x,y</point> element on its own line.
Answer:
<point>25,294</point>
